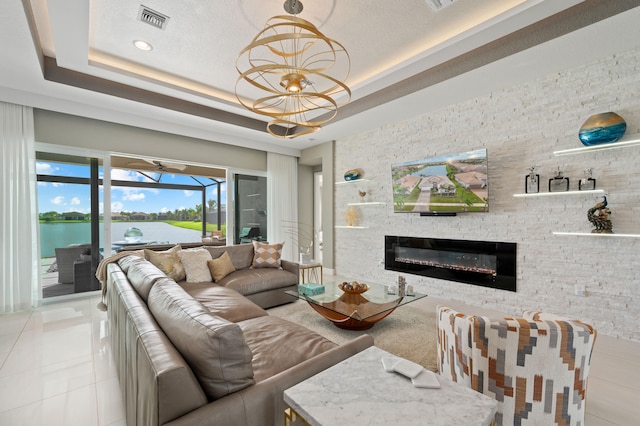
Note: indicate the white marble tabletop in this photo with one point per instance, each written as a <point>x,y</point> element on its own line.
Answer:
<point>358,391</point>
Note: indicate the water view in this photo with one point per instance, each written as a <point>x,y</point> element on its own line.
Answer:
<point>54,235</point>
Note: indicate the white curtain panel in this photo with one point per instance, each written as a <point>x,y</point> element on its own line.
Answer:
<point>282,202</point>
<point>20,287</point>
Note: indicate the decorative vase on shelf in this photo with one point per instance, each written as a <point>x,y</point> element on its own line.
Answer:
<point>558,183</point>
<point>532,182</point>
<point>353,174</point>
<point>350,216</point>
<point>602,128</point>
<point>587,183</point>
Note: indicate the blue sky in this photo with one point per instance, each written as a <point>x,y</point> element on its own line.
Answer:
<point>70,197</point>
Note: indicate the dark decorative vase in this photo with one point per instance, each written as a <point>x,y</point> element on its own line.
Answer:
<point>602,128</point>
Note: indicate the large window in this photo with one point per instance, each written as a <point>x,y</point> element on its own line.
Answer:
<point>151,206</point>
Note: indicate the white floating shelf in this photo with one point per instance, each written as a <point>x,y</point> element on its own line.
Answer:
<point>373,203</point>
<point>351,227</point>
<point>624,143</point>
<point>345,182</point>
<point>589,234</point>
<point>545,194</point>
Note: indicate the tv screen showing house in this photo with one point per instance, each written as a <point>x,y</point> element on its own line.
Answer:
<point>447,183</point>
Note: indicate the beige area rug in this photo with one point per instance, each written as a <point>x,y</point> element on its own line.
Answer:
<point>408,332</point>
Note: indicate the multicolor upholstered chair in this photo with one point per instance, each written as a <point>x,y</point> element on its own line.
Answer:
<point>536,366</point>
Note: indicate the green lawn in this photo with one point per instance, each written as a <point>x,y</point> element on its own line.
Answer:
<point>196,226</point>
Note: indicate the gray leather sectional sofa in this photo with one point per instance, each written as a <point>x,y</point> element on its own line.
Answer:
<point>205,353</point>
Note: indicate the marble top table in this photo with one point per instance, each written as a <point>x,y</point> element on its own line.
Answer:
<point>358,391</point>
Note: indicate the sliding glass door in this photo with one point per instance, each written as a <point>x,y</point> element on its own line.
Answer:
<point>250,195</point>
<point>69,196</point>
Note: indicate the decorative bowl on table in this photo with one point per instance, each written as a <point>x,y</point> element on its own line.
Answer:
<point>353,287</point>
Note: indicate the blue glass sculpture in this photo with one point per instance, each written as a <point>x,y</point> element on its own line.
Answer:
<point>352,175</point>
<point>602,128</point>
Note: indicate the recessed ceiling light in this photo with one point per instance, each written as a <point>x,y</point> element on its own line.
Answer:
<point>142,45</point>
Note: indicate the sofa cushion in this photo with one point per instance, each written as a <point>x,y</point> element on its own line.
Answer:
<point>241,254</point>
<point>214,347</point>
<point>266,255</point>
<point>125,262</point>
<point>278,344</point>
<point>142,274</point>
<point>195,264</point>
<point>223,302</point>
<point>221,267</point>
<point>167,261</point>
<point>250,281</point>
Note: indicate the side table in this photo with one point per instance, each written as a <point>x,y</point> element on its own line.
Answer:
<point>359,392</point>
<point>311,271</point>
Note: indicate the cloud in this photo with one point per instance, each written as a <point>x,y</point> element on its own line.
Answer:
<point>188,193</point>
<point>133,196</point>
<point>75,201</point>
<point>117,206</point>
<point>44,168</point>
<point>58,200</point>
<point>164,210</point>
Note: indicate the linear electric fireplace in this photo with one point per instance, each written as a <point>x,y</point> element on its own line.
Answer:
<point>483,263</point>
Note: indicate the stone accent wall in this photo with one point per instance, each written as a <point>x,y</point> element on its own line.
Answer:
<point>520,126</point>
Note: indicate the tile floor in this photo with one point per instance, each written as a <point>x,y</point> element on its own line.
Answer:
<point>56,369</point>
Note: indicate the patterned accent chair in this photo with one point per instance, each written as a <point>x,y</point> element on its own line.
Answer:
<point>536,366</point>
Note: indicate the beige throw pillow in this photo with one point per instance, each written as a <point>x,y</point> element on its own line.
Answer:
<point>195,264</point>
<point>221,267</point>
<point>266,255</point>
<point>167,261</point>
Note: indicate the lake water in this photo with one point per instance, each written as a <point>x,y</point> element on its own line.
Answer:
<point>54,235</point>
<point>431,171</point>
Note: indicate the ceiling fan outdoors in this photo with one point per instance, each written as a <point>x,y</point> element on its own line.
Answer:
<point>157,166</point>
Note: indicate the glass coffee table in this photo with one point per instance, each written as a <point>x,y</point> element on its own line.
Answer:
<point>352,310</point>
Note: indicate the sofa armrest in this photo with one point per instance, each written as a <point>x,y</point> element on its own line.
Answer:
<point>263,403</point>
<point>290,266</point>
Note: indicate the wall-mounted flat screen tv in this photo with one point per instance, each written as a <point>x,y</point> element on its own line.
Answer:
<point>453,183</point>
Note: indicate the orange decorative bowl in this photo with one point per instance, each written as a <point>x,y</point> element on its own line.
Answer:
<point>353,287</point>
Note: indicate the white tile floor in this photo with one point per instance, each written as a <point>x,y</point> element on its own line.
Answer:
<point>56,369</point>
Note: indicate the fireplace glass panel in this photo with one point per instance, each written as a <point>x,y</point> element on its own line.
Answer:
<point>483,263</point>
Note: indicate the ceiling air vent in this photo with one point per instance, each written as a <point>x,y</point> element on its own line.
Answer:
<point>153,18</point>
<point>437,5</point>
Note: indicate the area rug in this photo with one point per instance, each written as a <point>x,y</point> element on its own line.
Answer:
<point>408,332</point>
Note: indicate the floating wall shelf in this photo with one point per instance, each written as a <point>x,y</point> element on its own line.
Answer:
<point>589,234</point>
<point>632,140</point>
<point>545,194</point>
<point>372,203</point>
<point>345,182</point>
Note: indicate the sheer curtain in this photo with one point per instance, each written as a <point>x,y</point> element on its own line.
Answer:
<point>282,202</point>
<point>19,247</point>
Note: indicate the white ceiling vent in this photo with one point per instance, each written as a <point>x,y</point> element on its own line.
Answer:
<point>153,18</point>
<point>437,5</point>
